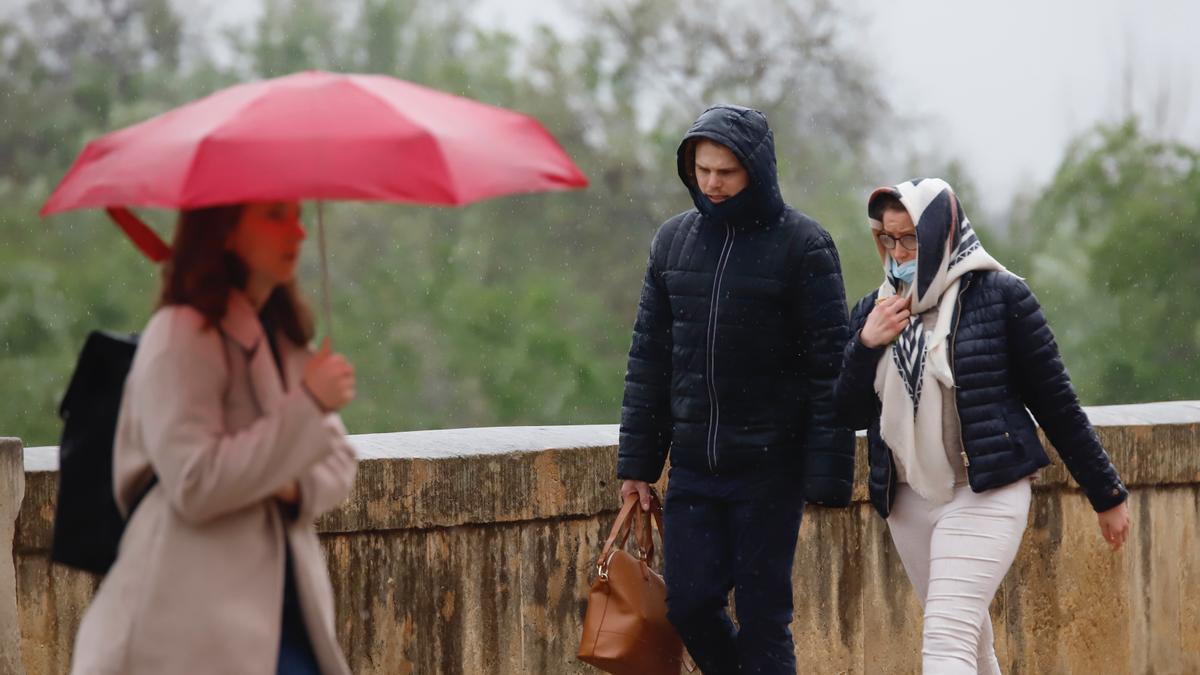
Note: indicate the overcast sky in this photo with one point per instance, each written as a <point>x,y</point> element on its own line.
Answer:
<point>1005,85</point>
<point>1001,85</point>
<point>1008,84</point>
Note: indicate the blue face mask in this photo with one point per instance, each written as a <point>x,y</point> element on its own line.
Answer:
<point>903,272</point>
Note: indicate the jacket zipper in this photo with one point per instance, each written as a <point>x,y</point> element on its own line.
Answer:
<point>714,408</point>
<point>954,393</point>
<point>887,493</point>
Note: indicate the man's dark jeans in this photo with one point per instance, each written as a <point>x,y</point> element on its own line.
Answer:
<point>733,532</point>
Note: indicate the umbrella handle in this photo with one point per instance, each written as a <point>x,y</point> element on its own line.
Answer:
<point>326,308</point>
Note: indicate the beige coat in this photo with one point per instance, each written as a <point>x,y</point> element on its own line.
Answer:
<point>198,583</point>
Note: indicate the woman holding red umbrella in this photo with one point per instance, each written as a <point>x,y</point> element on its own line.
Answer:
<point>229,436</point>
<point>219,570</point>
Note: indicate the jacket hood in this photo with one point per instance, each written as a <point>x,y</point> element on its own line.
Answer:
<point>746,133</point>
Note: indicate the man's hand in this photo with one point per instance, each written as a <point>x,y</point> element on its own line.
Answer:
<point>1114,525</point>
<point>641,487</point>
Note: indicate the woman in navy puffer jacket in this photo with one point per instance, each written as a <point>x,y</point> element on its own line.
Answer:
<point>943,361</point>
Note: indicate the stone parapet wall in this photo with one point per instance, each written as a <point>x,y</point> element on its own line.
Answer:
<point>471,551</point>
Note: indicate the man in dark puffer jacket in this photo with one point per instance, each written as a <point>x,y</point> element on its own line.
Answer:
<point>736,346</point>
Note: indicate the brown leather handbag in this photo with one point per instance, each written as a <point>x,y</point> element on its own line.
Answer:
<point>625,630</point>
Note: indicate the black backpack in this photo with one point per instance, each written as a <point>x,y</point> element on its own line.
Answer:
<point>87,524</point>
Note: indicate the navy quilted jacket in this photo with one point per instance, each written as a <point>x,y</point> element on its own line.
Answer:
<point>1005,360</point>
<point>739,333</point>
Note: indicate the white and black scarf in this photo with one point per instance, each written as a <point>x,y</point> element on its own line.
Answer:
<point>908,377</point>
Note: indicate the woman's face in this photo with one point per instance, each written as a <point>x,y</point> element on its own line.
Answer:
<point>267,238</point>
<point>899,224</point>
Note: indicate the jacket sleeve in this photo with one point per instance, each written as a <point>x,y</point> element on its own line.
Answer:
<point>1046,389</point>
<point>823,329</point>
<point>327,483</point>
<point>646,407</point>
<point>205,471</point>
<point>854,392</point>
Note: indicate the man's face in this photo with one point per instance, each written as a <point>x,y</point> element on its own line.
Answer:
<point>719,174</point>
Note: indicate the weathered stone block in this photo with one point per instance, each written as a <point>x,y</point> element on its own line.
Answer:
<point>12,492</point>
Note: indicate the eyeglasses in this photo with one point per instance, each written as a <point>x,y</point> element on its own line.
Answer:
<point>908,241</point>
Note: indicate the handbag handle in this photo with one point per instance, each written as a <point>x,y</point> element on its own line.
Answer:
<point>620,528</point>
<point>631,515</point>
<point>644,536</point>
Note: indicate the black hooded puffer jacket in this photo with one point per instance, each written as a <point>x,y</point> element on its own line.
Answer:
<point>739,332</point>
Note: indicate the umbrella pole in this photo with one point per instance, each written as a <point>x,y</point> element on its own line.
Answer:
<point>325,305</point>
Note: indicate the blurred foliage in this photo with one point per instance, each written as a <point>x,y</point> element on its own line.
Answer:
<point>518,310</point>
<point>1112,246</point>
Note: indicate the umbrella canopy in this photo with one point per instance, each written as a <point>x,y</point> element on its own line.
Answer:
<point>318,135</point>
<point>314,136</point>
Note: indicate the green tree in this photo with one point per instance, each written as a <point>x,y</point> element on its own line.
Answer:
<point>73,69</point>
<point>513,311</point>
<point>1114,244</point>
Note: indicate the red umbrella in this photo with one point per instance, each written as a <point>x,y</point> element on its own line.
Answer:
<point>314,135</point>
<point>317,135</point>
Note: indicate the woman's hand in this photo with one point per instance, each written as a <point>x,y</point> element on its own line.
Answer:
<point>329,378</point>
<point>289,494</point>
<point>1114,525</point>
<point>885,322</point>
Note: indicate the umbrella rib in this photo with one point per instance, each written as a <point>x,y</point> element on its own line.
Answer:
<point>439,156</point>
<point>205,141</point>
